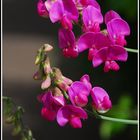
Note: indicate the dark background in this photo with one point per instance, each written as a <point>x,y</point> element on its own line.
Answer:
<point>23,34</point>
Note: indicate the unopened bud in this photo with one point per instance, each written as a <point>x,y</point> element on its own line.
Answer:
<point>56,91</point>
<point>46,83</point>
<point>62,85</point>
<point>47,66</point>
<point>47,47</point>
<point>38,75</point>
<point>37,60</point>
<point>67,80</point>
<point>57,73</point>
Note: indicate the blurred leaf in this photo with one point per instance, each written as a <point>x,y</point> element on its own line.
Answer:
<point>17,129</point>
<point>121,110</point>
<point>13,114</point>
<point>8,106</point>
<point>126,7</point>
<point>9,119</point>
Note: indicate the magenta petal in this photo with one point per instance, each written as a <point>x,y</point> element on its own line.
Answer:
<point>78,111</point>
<point>80,88</point>
<point>81,100</point>
<point>117,27</point>
<point>107,103</point>
<point>47,99</point>
<point>56,12</point>
<point>111,15</point>
<point>98,94</point>
<point>62,116</point>
<point>66,38</point>
<point>70,10</point>
<point>67,113</point>
<point>117,53</point>
<point>72,95</point>
<point>91,16</point>
<point>41,9</point>
<point>101,101</point>
<point>100,57</point>
<point>85,78</point>
<point>48,4</point>
<point>66,23</point>
<point>92,40</point>
<point>47,114</point>
<point>94,3</point>
<point>59,100</point>
<point>85,41</point>
<point>75,122</point>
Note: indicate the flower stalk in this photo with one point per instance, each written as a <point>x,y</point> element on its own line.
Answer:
<point>117,120</point>
<point>131,50</point>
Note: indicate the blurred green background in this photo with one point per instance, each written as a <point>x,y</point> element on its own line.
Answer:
<point>24,32</point>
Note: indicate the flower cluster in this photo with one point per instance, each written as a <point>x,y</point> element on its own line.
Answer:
<point>104,46</point>
<point>65,100</point>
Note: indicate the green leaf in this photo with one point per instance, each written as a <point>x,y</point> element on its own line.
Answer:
<point>121,110</point>
<point>17,129</point>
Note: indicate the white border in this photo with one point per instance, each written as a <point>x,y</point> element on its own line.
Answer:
<point>1,71</point>
<point>2,67</point>
<point>138,65</point>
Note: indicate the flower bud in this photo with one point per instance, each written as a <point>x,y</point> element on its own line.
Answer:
<point>47,66</point>
<point>38,75</point>
<point>67,80</point>
<point>47,47</point>
<point>46,83</point>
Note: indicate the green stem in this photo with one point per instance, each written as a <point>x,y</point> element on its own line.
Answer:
<point>132,50</point>
<point>124,121</point>
<point>66,95</point>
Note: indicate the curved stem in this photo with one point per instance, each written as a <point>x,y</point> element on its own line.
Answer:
<point>124,121</point>
<point>131,50</point>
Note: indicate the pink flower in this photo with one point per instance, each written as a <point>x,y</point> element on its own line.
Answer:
<point>81,4</point>
<point>51,105</point>
<point>110,55</point>
<point>79,91</point>
<point>41,9</point>
<point>91,40</point>
<point>64,11</point>
<point>92,18</point>
<point>71,114</point>
<point>117,28</point>
<point>67,43</point>
<point>102,50</point>
<point>101,101</point>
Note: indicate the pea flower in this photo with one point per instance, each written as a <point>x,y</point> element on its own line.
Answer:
<point>117,28</point>
<point>72,115</point>
<point>101,101</point>
<point>81,4</point>
<point>64,11</point>
<point>41,9</point>
<point>79,91</point>
<point>102,50</point>
<point>67,42</point>
<point>51,104</point>
<point>92,18</point>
